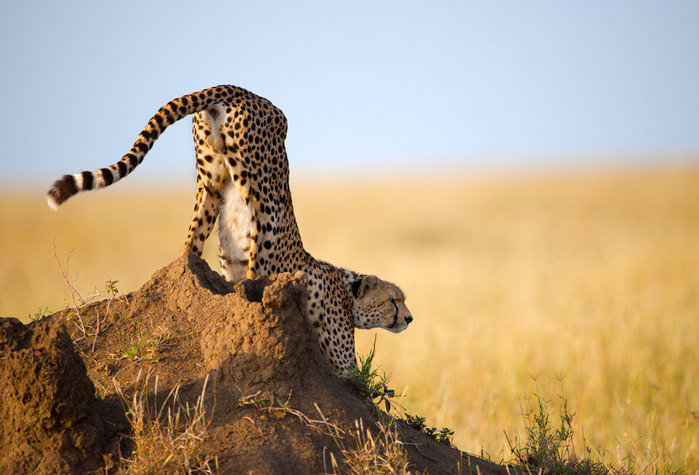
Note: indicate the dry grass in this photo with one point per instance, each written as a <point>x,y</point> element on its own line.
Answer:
<point>367,453</point>
<point>167,435</point>
<point>592,276</point>
<point>363,452</point>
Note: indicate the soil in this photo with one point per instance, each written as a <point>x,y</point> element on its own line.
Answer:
<point>272,402</point>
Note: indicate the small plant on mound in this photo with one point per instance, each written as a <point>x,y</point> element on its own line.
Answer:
<point>444,435</point>
<point>372,382</point>
<point>147,347</point>
<point>79,302</point>
<point>39,315</point>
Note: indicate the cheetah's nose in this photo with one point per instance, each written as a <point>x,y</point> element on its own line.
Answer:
<point>408,319</point>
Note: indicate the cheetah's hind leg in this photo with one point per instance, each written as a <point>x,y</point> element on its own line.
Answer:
<point>205,211</point>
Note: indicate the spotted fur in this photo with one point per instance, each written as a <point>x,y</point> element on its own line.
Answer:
<point>243,180</point>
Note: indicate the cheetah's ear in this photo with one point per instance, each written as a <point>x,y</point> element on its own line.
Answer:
<point>360,286</point>
<point>355,287</point>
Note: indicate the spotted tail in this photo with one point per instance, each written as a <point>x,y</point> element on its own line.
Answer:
<point>70,185</point>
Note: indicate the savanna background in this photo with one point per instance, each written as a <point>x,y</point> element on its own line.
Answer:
<point>514,282</point>
<point>527,173</point>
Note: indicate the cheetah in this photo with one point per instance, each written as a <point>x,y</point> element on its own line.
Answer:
<point>243,181</point>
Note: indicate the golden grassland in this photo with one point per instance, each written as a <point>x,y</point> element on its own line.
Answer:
<point>592,276</point>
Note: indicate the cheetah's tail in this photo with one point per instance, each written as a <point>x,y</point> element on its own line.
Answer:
<point>70,185</point>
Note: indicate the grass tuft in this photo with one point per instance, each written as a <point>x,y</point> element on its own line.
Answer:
<point>167,439</point>
<point>382,453</point>
<point>548,445</point>
<point>371,381</point>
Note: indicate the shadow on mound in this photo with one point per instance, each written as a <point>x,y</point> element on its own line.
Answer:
<point>272,402</point>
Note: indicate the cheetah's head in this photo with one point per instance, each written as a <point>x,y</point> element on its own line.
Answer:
<point>378,303</point>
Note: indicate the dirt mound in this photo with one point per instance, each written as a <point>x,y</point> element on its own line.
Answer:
<point>49,411</point>
<point>243,356</point>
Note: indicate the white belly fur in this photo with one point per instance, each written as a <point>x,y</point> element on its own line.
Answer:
<point>234,231</point>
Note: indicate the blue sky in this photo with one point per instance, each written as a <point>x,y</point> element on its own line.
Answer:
<point>378,86</point>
